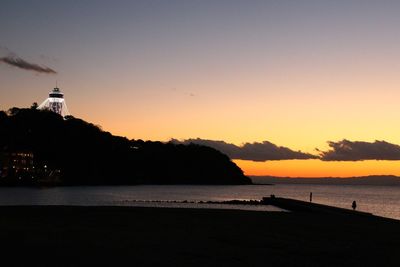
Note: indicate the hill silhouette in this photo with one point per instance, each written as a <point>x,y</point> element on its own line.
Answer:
<point>74,152</point>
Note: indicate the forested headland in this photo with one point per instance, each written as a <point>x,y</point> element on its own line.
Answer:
<point>71,151</point>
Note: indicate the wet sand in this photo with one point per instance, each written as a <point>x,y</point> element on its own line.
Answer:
<point>126,236</point>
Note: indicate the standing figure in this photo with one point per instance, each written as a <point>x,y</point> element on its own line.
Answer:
<point>354,205</point>
<point>310,196</point>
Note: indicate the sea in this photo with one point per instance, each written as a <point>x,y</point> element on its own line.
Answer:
<point>379,200</point>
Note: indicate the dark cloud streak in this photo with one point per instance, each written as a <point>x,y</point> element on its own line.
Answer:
<point>251,151</point>
<point>346,150</point>
<point>15,61</point>
<point>343,150</point>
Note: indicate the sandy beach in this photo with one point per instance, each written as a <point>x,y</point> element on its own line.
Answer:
<point>126,236</point>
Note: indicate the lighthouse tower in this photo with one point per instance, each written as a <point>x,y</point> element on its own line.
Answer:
<point>55,102</point>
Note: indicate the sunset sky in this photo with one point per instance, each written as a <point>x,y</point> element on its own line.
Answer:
<point>294,73</point>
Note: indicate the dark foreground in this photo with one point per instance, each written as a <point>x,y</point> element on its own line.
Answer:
<point>123,236</point>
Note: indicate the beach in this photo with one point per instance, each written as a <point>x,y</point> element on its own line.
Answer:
<point>133,236</point>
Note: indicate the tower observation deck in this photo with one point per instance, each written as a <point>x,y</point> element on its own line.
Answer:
<point>56,103</point>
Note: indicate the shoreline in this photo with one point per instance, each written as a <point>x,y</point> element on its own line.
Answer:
<point>110,236</point>
<point>372,201</point>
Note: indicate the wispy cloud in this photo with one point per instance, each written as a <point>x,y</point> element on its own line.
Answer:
<point>15,61</point>
<point>251,151</point>
<point>346,150</point>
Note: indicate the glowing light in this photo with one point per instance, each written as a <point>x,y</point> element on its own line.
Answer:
<point>56,103</point>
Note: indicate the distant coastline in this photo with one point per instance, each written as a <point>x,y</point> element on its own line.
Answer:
<point>387,180</point>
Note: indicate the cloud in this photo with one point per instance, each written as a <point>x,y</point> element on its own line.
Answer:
<point>251,151</point>
<point>18,62</point>
<point>346,150</point>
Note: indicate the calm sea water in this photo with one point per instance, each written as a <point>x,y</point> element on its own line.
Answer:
<point>379,200</point>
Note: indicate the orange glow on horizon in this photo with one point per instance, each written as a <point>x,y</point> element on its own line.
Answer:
<point>318,168</point>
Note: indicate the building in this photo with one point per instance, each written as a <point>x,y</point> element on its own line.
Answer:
<point>56,103</point>
<point>17,164</point>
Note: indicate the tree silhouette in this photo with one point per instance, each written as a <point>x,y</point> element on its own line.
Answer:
<point>85,154</point>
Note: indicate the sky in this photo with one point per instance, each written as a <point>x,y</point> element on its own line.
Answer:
<point>295,74</point>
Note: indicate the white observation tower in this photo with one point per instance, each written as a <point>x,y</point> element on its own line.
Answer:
<point>56,103</point>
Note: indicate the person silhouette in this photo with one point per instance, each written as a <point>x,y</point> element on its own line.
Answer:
<point>354,205</point>
<point>310,196</point>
